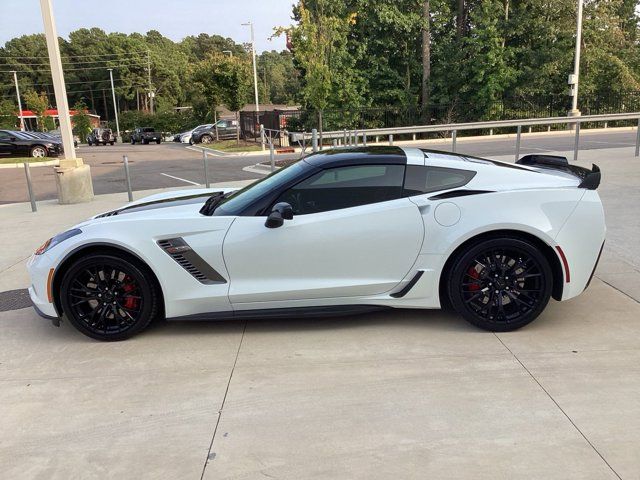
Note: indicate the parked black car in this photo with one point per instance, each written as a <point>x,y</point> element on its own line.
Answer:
<point>145,135</point>
<point>227,129</point>
<point>20,144</point>
<point>101,136</point>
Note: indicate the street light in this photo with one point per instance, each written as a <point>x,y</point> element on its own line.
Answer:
<point>115,106</point>
<point>575,77</point>
<point>15,79</point>
<point>229,52</point>
<point>255,72</point>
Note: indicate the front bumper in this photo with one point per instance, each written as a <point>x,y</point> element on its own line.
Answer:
<point>39,267</point>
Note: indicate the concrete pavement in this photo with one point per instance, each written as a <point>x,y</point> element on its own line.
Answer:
<point>402,394</point>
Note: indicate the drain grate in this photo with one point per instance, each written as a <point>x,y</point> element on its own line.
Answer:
<point>14,300</point>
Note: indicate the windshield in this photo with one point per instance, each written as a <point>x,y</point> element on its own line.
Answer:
<point>240,200</point>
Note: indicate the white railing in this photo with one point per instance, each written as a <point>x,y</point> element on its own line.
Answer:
<point>357,137</point>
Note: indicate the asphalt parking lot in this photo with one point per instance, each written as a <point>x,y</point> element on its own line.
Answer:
<point>171,165</point>
<point>152,166</point>
<point>395,394</point>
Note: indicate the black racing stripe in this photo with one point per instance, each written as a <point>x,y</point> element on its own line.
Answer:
<point>459,193</point>
<point>162,203</point>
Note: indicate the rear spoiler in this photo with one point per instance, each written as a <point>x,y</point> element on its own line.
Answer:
<point>589,179</point>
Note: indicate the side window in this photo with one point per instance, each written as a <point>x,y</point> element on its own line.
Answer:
<point>223,124</point>
<point>345,187</point>
<point>4,136</point>
<point>419,179</point>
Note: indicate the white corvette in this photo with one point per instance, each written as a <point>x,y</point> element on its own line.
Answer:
<point>341,231</point>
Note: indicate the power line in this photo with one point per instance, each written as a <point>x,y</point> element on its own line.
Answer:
<point>76,56</point>
<point>77,63</point>
<point>85,91</point>
<point>142,65</point>
<point>83,82</point>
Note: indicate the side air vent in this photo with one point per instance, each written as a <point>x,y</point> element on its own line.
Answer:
<point>193,263</point>
<point>107,214</point>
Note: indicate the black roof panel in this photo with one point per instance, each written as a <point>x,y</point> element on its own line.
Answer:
<point>338,157</point>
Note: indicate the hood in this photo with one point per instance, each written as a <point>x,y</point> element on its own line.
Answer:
<point>194,198</point>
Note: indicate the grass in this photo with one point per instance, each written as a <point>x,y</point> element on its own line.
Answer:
<point>9,160</point>
<point>232,146</point>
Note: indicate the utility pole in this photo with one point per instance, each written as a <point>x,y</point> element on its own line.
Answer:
<point>15,79</point>
<point>58,78</point>
<point>575,77</point>
<point>149,77</point>
<point>115,106</point>
<point>73,177</point>
<point>255,70</point>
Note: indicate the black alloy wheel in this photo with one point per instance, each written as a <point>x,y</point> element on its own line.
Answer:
<point>500,284</point>
<point>107,297</point>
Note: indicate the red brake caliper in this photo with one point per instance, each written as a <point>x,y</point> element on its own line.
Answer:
<point>473,273</point>
<point>129,286</point>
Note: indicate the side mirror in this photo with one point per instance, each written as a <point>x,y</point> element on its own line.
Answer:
<point>274,220</point>
<point>279,213</point>
<point>285,210</point>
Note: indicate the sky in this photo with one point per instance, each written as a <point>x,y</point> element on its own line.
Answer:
<point>175,19</point>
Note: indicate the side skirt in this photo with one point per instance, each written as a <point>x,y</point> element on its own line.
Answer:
<point>309,312</point>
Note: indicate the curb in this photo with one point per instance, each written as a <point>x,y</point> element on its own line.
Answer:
<point>259,168</point>
<point>220,153</point>
<point>48,163</point>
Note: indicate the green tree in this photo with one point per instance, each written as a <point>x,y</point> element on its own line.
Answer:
<point>38,103</point>
<point>8,117</point>
<point>81,121</point>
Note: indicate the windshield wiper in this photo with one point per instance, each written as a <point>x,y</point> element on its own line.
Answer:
<point>212,203</point>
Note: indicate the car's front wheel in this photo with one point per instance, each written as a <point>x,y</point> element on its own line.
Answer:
<point>500,284</point>
<point>108,297</point>
<point>38,152</point>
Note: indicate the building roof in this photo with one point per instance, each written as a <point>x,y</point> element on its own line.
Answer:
<point>53,112</point>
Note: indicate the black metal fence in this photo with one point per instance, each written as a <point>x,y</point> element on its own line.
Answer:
<point>456,112</point>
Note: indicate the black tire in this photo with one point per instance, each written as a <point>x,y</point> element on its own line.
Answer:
<point>38,151</point>
<point>89,142</point>
<point>500,284</point>
<point>112,143</point>
<point>97,296</point>
<point>133,142</point>
<point>158,141</point>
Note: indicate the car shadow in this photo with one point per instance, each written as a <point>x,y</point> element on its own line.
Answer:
<point>440,320</point>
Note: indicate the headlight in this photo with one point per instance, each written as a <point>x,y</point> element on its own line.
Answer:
<point>59,238</point>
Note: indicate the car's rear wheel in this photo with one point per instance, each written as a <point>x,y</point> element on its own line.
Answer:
<point>206,139</point>
<point>38,152</point>
<point>108,297</point>
<point>158,142</point>
<point>500,284</point>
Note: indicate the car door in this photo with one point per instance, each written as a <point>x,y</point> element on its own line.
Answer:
<point>352,234</point>
<point>7,146</point>
<point>225,130</point>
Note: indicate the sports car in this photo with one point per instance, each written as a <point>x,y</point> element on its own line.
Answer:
<point>341,231</point>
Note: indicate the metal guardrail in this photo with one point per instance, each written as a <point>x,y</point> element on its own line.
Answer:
<point>350,137</point>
